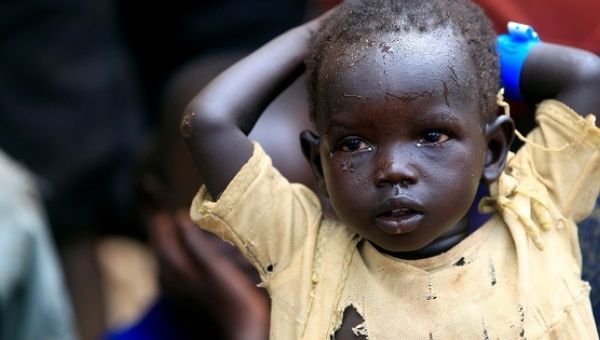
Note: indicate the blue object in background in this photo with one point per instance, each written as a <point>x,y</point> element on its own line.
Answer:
<point>513,49</point>
<point>589,240</point>
<point>159,323</point>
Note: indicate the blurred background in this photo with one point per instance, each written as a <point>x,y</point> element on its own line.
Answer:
<point>94,178</point>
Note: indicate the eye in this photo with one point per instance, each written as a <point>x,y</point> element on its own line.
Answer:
<point>352,144</point>
<point>433,137</point>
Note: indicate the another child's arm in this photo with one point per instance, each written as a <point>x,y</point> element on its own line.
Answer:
<point>567,74</point>
<point>218,119</point>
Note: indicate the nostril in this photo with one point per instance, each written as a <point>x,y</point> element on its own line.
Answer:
<point>397,174</point>
<point>405,183</point>
<point>382,170</point>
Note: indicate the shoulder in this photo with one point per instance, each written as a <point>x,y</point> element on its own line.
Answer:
<point>561,158</point>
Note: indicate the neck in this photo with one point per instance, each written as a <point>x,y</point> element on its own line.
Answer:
<point>449,239</point>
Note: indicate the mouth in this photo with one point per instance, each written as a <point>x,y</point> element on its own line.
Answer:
<point>398,216</point>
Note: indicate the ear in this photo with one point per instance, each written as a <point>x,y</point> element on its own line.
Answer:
<point>310,143</point>
<point>499,136</point>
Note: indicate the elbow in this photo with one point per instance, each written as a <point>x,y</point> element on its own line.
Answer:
<point>573,79</point>
<point>587,72</point>
<point>585,85</point>
<point>568,74</point>
<point>200,115</point>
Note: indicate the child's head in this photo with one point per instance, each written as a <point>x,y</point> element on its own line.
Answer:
<point>360,25</point>
<point>403,97</point>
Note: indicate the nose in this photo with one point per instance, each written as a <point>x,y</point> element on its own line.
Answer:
<point>394,167</point>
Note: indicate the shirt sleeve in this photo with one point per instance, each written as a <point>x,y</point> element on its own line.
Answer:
<point>268,218</point>
<point>563,153</point>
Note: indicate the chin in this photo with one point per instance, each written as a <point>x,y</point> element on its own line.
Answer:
<point>403,251</point>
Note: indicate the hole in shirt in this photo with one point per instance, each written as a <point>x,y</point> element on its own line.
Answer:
<point>353,326</point>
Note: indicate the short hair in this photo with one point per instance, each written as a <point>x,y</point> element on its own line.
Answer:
<point>356,19</point>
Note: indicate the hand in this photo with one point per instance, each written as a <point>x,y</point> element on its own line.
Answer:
<point>197,265</point>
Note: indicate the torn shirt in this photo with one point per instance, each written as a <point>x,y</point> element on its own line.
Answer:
<point>518,276</point>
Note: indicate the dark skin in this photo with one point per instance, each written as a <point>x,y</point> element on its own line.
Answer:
<point>396,147</point>
<point>564,73</point>
<point>219,122</point>
<point>399,152</point>
<point>218,119</point>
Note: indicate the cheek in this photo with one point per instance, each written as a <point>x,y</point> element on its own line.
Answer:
<point>461,162</point>
<point>348,182</point>
<point>464,172</point>
<point>454,174</point>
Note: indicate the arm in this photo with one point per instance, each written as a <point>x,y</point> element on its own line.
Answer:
<point>567,74</point>
<point>564,152</point>
<point>217,120</point>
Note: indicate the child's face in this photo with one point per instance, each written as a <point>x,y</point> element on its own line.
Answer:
<point>402,144</point>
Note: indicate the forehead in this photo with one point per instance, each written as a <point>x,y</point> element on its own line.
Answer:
<point>406,66</point>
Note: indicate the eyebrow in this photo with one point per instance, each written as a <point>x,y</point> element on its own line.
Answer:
<point>435,117</point>
<point>337,127</point>
<point>438,117</point>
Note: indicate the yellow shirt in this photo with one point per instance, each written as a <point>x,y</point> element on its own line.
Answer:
<point>518,276</point>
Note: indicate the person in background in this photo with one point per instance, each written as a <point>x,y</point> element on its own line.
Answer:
<point>70,112</point>
<point>33,302</point>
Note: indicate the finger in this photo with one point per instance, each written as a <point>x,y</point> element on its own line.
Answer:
<point>157,220</point>
<point>233,294</point>
<point>205,250</point>
<point>175,265</point>
<point>210,250</point>
<point>196,241</point>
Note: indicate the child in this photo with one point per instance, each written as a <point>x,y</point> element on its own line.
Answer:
<point>402,96</point>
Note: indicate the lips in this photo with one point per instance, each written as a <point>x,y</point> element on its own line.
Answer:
<point>398,215</point>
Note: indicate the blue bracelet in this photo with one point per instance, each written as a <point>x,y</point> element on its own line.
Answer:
<point>513,49</point>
